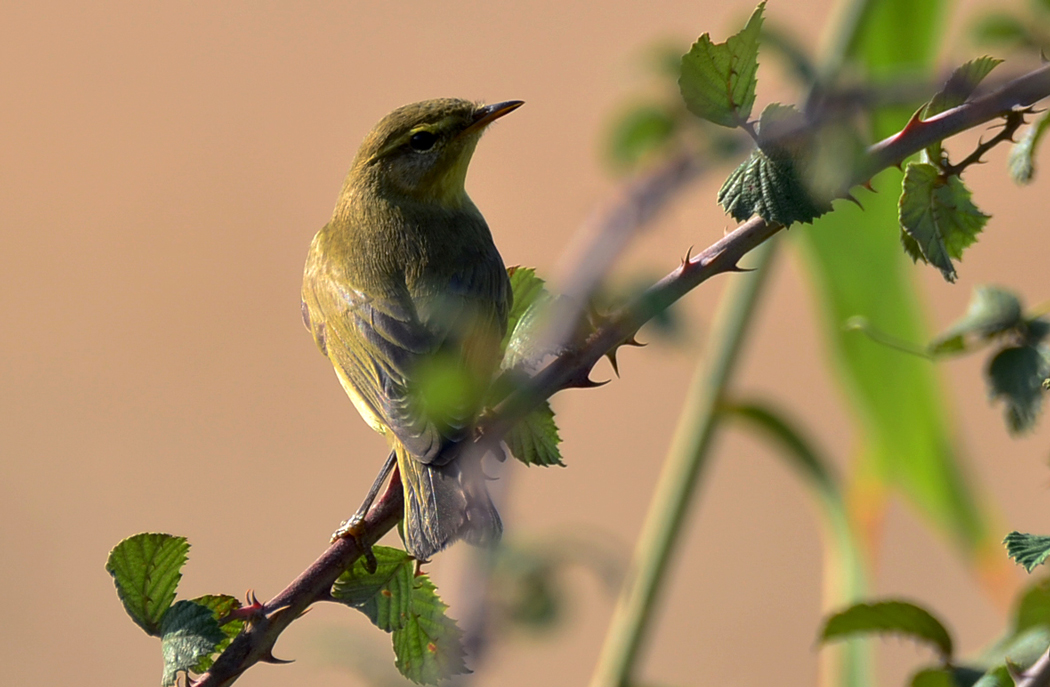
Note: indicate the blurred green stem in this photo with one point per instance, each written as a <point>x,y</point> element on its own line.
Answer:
<point>680,476</point>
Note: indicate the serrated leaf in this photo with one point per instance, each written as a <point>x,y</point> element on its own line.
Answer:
<point>1016,375</point>
<point>429,647</point>
<point>1021,162</point>
<point>220,605</point>
<point>718,79</point>
<point>992,311</point>
<point>937,218</point>
<point>959,87</point>
<point>638,133</point>
<point>189,633</point>
<point>770,187</point>
<point>534,439</point>
<point>146,570</point>
<point>385,596</point>
<point>1027,550</point>
<point>527,288</point>
<point>896,617</point>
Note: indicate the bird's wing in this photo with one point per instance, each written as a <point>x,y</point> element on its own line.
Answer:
<point>375,343</point>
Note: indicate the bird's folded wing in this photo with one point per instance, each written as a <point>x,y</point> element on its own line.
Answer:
<point>376,343</point>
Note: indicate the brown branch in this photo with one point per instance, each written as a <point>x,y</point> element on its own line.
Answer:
<point>572,367</point>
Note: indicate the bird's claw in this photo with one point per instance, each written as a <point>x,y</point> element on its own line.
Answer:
<point>355,529</point>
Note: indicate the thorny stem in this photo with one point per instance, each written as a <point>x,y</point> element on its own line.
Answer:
<point>1014,120</point>
<point>571,368</point>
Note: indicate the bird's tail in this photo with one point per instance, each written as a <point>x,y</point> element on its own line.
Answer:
<point>444,503</point>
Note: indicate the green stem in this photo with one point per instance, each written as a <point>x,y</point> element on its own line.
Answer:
<point>679,478</point>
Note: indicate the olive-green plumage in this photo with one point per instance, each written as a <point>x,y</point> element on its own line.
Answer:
<point>405,293</point>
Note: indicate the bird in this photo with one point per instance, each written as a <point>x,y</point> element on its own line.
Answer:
<point>406,294</point>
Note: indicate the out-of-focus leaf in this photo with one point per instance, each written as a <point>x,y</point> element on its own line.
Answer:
<point>189,633</point>
<point>992,311</point>
<point>640,132</point>
<point>1001,29</point>
<point>893,617</point>
<point>933,677</point>
<point>718,79</point>
<point>938,220</point>
<point>1016,375</point>
<point>1021,162</point>
<point>1033,607</point>
<point>1029,550</point>
<point>146,569</point>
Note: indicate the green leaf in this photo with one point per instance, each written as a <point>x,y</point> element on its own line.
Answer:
<point>1028,550</point>
<point>1033,606</point>
<point>937,218</point>
<point>1021,162</point>
<point>527,289</point>
<point>427,643</point>
<point>1001,29</point>
<point>718,79</point>
<point>996,677</point>
<point>772,182</point>
<point>933,677</point>
<point>189,634</point>
<point>220,605</point>
<point>534,439</point>
<point>896,617</point>
<point>146,570</point>
<point>385,596</point>
<point>992,311</point>
<point>429,647</point>
<point>1016,375</point>
<point>959,87</point>
<point>638,133</point>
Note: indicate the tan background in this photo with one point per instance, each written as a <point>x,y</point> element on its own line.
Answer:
<point>163,168</point>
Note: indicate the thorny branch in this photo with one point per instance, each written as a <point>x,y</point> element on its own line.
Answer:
<point>572,367</point>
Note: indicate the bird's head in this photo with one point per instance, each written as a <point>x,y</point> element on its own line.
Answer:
<point>422,150</point>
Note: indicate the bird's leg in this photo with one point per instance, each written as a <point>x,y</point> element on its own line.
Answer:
<point>355,526</point>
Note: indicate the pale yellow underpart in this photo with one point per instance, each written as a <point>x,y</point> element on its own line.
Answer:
<point>359,402</point>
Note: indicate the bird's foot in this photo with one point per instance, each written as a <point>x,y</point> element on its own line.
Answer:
<point>355,529</point>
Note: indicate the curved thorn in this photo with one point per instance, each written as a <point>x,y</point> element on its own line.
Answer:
<point>268,657</point>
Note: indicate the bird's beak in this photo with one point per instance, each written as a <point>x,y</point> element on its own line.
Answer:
<point>483,116</point>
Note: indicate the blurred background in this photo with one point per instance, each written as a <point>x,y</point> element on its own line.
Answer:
<point>164,168</point>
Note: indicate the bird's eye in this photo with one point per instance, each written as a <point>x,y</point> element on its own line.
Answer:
<point>422,141</point>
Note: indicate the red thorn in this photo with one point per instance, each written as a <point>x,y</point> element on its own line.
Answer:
<point>851,198</point>
<point>913,123</point>
<point>685,260</point>
<point>867,185</point>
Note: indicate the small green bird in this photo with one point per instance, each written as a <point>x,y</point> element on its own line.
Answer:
<point>406,294</point>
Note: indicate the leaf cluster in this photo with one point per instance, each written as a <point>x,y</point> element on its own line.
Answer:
<point>1026,639</point>
<point>146,570</point>
<point>1019,368</point>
